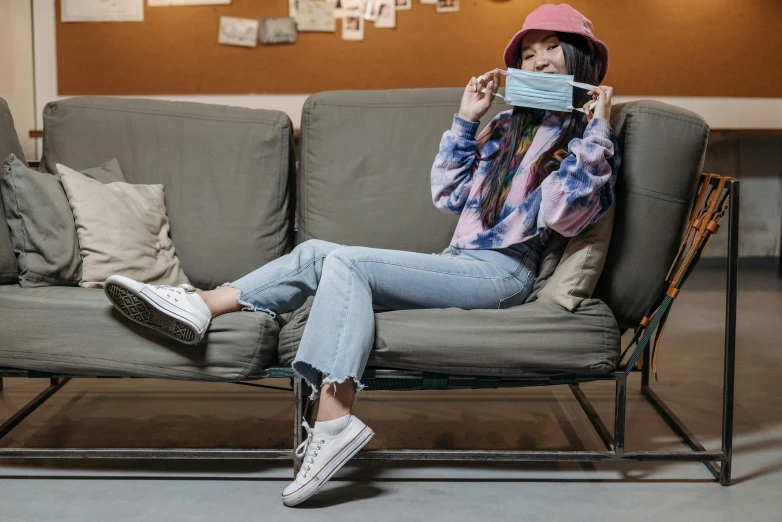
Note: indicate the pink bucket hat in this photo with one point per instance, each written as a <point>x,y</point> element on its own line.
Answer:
<point>562,18</point>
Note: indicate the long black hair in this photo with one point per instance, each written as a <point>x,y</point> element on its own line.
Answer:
<point>583,65</point>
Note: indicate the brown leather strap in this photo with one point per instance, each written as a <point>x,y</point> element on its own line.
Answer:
<point>704,189</point>
<point>712,204</point>
<point>695,223</point>
<point>658,334</point>
<point>704,223</point>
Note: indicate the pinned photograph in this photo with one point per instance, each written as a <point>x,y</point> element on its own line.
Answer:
<point>403,4</point>
<point>293,9</point>
<point>353,26</point>
<point>278,30</point>
<point>447,6</point>
<point>386,14</point>
<point>316,16</point>
<point>370,10</point>
<point>338,8</point>
<point>238,31</point>
<point>432,2</point>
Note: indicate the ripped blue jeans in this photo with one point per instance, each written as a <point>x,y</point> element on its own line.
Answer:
<point>349,281</point>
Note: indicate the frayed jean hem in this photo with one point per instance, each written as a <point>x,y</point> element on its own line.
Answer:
<point>247,306</point>
<point>312,376</point>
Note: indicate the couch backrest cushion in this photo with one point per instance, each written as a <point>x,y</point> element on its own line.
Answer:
<point>228,172</point>
<point>9,144</point>
<point>663,148</point>
<point>366,158</point>
<point>367,155</point>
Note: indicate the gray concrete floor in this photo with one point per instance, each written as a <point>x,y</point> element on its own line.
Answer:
<point>122,413</point>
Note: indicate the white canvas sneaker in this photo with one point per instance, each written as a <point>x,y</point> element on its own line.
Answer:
<point>322,456</point>
<point>175,311</point>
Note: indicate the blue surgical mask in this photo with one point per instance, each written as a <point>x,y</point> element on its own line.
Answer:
<point>552,92</point>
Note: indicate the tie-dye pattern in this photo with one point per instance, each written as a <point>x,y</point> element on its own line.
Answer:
<point>518,157</point>
<point>569,199</point>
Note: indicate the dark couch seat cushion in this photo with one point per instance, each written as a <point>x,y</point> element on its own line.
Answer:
<point>76,331</point>
<point>532,339</point>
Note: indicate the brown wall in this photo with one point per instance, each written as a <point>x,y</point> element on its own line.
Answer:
<point>658,48</point>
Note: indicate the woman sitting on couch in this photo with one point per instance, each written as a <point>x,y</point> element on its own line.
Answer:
<point>540,167</point>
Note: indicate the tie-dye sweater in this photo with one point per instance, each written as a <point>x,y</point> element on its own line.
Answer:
<point>567,201</point>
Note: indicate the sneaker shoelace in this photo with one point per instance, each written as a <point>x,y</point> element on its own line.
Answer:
<point>180,290</point>
<point>308,450</point>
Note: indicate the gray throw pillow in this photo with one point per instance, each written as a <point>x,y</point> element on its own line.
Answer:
<point>9,144</point>
<point>43,233</point>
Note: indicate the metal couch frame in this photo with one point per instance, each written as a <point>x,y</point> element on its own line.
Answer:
<point>717,462</point>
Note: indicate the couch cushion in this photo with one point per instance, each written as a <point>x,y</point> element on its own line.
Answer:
<point>227,171</point>
<point>383,153</point>
<point>41,223</point>
<point>76,331</point>
<point>533,339</point>
<point>369,154</point>
<point>9,144</point>
<point>663,148</point>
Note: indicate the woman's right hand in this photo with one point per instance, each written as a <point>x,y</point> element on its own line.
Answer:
<point>475,104</point>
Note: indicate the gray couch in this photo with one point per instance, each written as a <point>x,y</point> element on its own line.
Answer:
<point>365,158</point>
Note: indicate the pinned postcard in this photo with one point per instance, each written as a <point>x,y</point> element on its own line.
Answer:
<point>278,30</point>
<point>102,11</point>
<point>403,4</point>
<point>200,2</point>
<point>384,14</point>
<point>433,2</point>
<point>317,16</point>
<point>238,31</point>
<point>338,11</point>
<point>447,6</point>
<point>353,7</point>
<point>158,3</point>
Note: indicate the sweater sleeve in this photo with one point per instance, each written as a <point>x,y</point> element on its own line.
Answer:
<point>578,193</point>
<point>452,172</point>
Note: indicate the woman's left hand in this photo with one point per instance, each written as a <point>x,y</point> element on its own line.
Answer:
<point>602,108</point>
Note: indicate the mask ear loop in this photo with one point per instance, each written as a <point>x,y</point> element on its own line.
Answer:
<point>581,85</point>
<point>579,109</point>
<point>585,86</point>
<point>495,94</point>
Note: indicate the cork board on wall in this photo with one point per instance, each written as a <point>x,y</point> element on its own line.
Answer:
<point>658,48</point>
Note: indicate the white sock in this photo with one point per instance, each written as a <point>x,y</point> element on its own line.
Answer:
<point>333,427</point>
<point>199,303</point>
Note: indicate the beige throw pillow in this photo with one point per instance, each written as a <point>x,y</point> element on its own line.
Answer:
<point>577,273</point>
<point>123,229</point>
